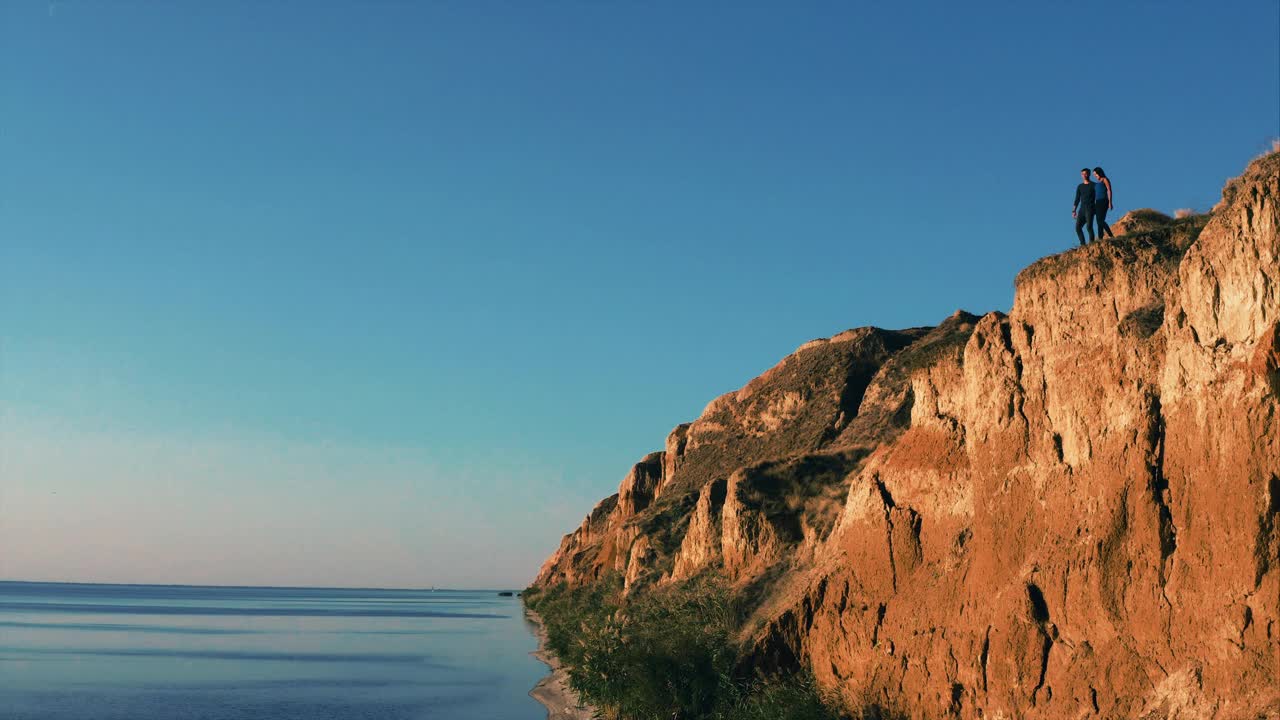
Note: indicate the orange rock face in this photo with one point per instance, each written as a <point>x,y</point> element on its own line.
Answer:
<point>1069,512</point>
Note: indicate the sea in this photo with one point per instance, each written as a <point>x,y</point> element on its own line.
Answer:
<point>160,652</point>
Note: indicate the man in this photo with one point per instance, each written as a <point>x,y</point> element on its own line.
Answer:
<point>1082,208</point>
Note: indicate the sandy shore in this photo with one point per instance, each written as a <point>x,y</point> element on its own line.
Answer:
<point>553,691</point>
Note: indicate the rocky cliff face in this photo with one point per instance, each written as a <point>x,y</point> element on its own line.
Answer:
<point>1070,511</point>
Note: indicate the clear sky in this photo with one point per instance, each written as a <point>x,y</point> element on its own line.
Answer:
<point>391,293</point>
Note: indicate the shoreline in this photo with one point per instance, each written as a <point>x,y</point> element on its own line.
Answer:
<point>553,691</point>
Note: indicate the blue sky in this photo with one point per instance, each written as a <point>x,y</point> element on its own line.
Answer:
<point>391,293</point>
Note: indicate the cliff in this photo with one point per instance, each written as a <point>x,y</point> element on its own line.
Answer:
<point>1070,511</point>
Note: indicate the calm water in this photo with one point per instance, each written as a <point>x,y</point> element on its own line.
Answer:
<point>147,652</point>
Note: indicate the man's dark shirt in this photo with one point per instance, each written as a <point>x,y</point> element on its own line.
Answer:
<point>1084,196</point>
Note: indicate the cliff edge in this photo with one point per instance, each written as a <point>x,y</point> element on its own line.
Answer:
<point>1070,511</point>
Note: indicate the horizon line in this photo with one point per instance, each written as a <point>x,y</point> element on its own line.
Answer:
<point>259,587</point>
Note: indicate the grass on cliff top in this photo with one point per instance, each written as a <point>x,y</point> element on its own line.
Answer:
<point>1165,244</point>
<point>665,653</point>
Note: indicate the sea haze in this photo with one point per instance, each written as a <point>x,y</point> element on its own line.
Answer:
<point>147,652</point>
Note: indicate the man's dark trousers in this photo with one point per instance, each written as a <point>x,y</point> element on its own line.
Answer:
<point>1084,218</point>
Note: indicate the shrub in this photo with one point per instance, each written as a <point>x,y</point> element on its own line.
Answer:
<point>667,652</point>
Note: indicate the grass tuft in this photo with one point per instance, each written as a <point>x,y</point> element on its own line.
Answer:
<point>665,653</point>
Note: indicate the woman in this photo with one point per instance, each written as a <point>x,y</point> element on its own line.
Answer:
<point>1102,202</point>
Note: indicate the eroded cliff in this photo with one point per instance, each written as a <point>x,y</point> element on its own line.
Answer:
<point>1070,511</point>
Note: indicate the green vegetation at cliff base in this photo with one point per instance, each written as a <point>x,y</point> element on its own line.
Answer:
<point>667,652</point>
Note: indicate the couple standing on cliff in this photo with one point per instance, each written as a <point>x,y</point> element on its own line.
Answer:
<point>1093,199</point>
